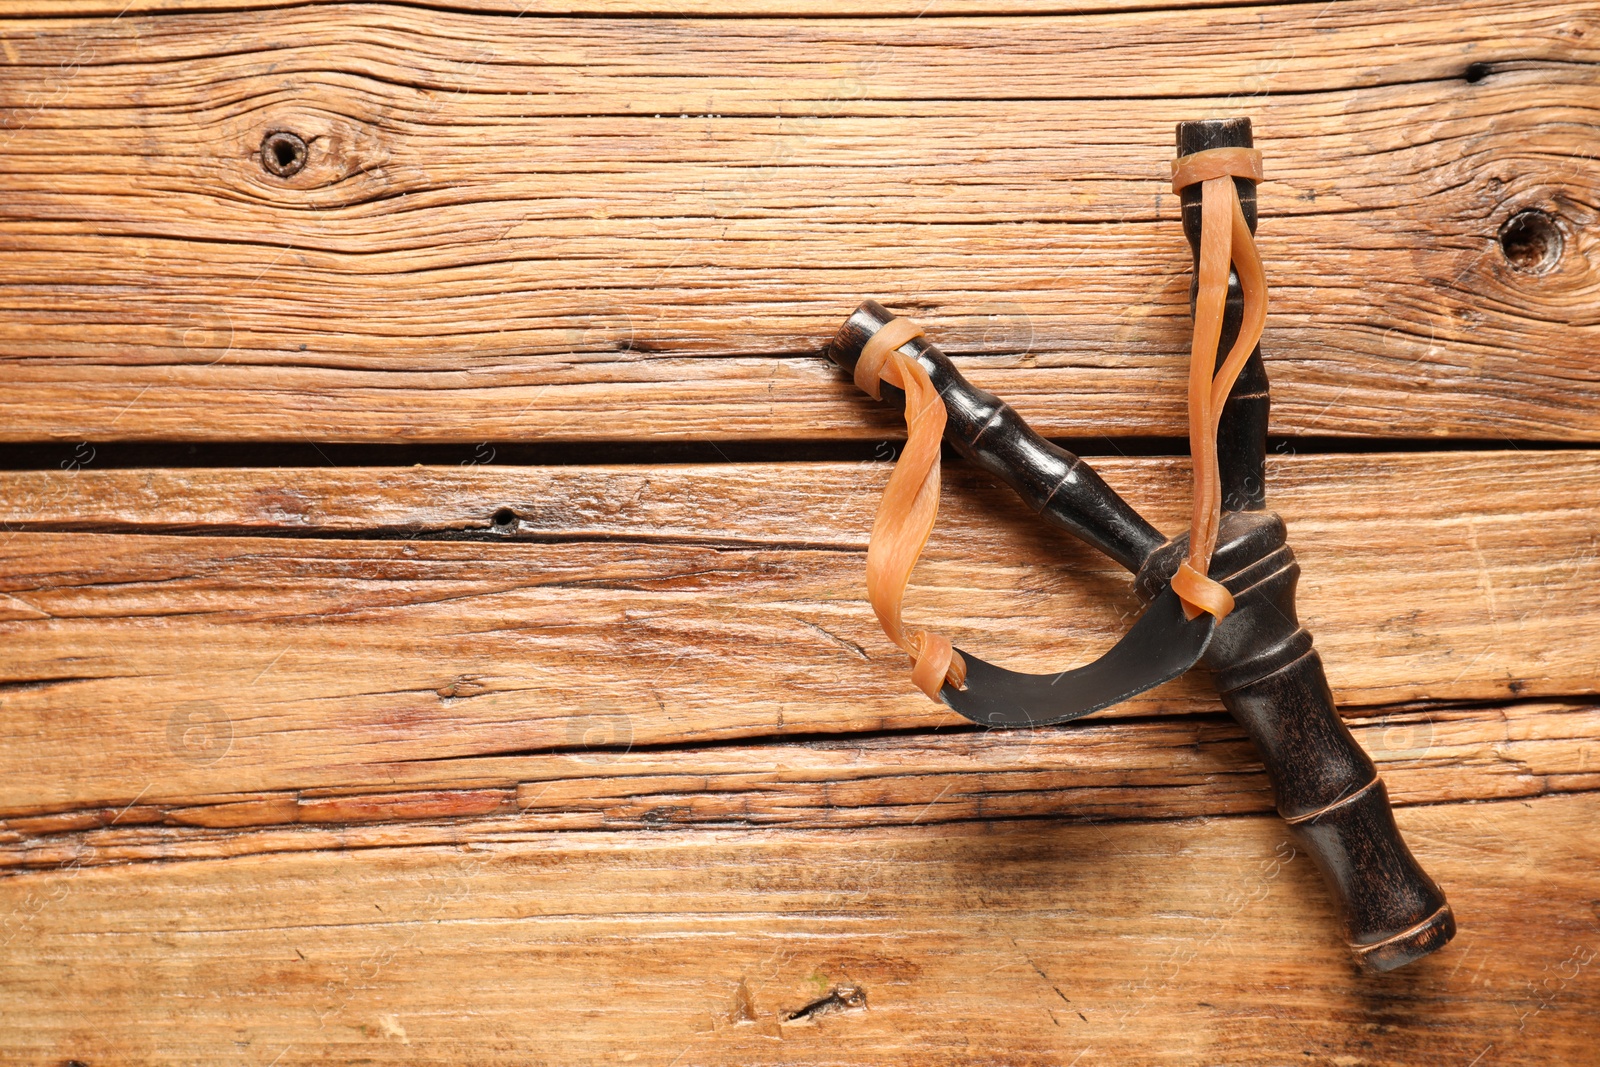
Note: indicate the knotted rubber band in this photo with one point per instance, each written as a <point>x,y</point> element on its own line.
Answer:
<point>910,503</point>
<point>1225,239</point>
<point>875,353</point>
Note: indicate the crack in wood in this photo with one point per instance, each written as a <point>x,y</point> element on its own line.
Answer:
<point>771,787</point>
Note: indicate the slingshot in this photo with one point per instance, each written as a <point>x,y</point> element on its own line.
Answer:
<point>1222,594</point>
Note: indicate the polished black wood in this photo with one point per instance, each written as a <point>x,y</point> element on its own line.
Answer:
<point>1264,667</point>
<point>1060,487</point>
<point>1326,788</point>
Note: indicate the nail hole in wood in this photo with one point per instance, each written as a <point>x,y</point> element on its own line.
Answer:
<point>283,153</point>
<point>1476,72</point>
<point>840,998</point>
<point>1532,241</point>
<point>504,519</point>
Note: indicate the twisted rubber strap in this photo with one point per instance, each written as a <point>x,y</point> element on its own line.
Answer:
<point>1225,239</point>
<point>910,503</point>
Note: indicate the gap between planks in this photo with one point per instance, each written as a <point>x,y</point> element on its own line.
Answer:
<point>459,293</point>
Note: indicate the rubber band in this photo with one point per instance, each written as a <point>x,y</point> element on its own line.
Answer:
<point>869,367</point>
<point>1225,241</point>
<point>910,504</point>
<point>1216,163</point>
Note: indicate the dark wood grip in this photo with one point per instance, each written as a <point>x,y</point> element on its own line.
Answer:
<point>1327,789</point>
<point>1060,487</point>
<point>1338,811</point>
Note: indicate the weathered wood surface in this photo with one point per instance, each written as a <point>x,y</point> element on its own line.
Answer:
<point>335,626</point>
<point>306,766</point>
<point>1101,772</point>
<point>543,228</point>
<point>519,9</point>
<point>283,748</point>
<point>1024,943</point>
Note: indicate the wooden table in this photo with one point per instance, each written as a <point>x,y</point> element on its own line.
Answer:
<point>431,578</point>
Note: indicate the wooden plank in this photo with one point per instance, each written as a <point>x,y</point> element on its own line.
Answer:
<point>1140,54</point>
<point>1027,943</point>
<point>521,9</point>
<point>325,766</point>
<point>497,236</point>
<point>1180,768</point>
<point>190,633</point>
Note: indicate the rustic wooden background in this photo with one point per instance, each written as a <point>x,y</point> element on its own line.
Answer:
<point>430,583</point>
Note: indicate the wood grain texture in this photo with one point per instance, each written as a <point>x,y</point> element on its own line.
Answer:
<point>521,9</point>
<point>1026,943</point>
<point>339,630</point>
<point>311,766</point>
<point>543,228</point>
<point>1102,772</point>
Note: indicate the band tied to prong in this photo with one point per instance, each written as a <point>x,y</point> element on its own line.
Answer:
<point>1225,241</point>
<point>910,503</point>
<point>876,352</point>
<point>911,500</point>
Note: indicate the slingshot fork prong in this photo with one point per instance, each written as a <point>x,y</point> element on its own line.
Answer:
<point>1242,432</point>
<point>1059,487</point>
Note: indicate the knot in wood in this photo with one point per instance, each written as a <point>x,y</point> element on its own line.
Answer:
<point>283,153</point>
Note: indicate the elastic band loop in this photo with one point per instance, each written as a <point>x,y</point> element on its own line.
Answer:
<point>1225,240</point>
<point>875,353</point>
<point>910,504</point>
<point>1198,591</point>
<point>1216,163</point>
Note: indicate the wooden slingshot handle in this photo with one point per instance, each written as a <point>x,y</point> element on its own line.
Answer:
<point>1266,671</point>
<point>1327,789</point>
<point>1271,679</point>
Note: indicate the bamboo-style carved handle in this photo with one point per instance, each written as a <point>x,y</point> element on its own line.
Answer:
<point>1058,486</point>
<point>1272,680</point>
<point>1327,789</point>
